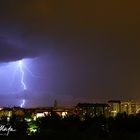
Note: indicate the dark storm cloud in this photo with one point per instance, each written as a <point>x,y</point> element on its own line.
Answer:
<point>44,24</point>
<point>10,51</point>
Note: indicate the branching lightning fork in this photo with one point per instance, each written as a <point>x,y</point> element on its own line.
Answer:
<point>22,67</point>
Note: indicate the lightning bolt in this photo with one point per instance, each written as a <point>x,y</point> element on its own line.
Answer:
<point>22,68</point>
<point>23,103</point>
<point>20,65</point>
<point>22,75</point>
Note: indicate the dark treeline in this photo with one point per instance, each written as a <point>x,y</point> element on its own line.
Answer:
<point>71,127</point>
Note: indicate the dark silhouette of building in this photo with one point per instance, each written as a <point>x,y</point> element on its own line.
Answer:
<point>90,110</point>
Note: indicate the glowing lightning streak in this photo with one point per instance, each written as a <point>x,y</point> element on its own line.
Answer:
<point>22,75</point>
<point>20,66</point>
<point>23,103</point>
<point>32,74</point>
<point>22,81</point>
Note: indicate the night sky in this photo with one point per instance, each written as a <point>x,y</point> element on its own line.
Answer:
<point>80,50</point>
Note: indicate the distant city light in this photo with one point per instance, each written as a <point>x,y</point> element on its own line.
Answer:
<point>64,114</point>
<point>40,115</point>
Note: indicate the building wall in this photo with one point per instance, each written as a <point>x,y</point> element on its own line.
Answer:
<point>115,107</point>
<point>130,107</point>
<point>91,110</point>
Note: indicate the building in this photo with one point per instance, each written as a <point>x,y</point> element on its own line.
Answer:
<point>84,110</point>
<point>5,112</point>
<point>114,107</point>
<point>129,107</point>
